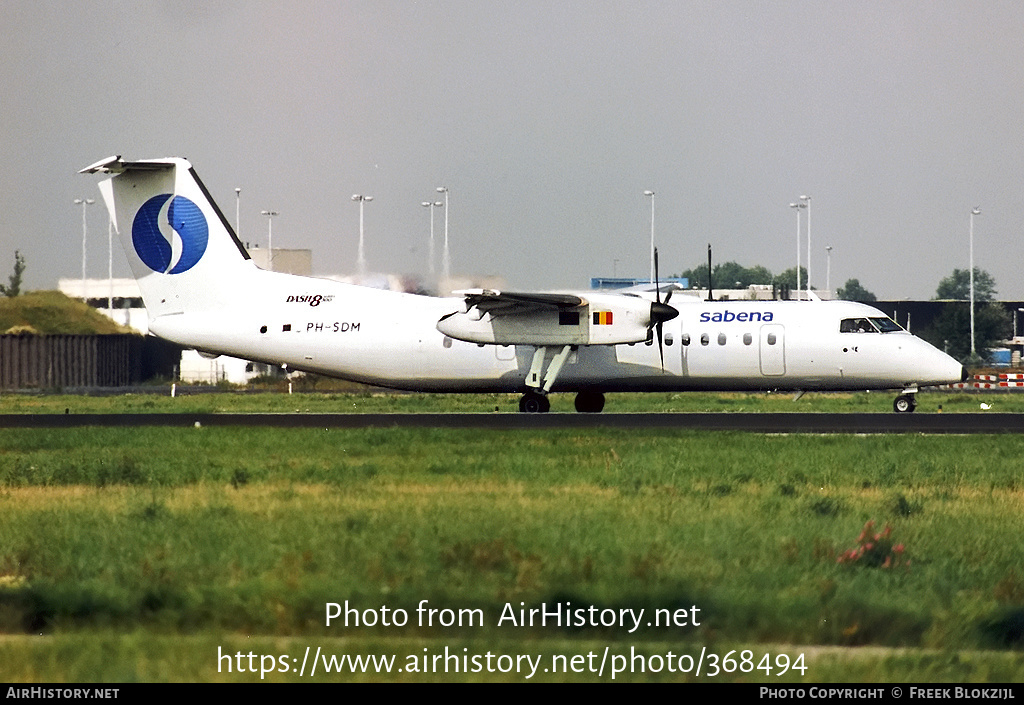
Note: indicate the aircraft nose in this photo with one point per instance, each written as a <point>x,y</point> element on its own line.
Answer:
<point>948,371</point>
<point>662,312</point>
<point>935,367</point>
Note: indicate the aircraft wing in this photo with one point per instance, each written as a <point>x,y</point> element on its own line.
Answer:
<point>510,303</point>
<point>648,288</point>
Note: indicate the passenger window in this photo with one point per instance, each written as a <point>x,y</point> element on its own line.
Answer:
<point>685,339</point>
<point>748,339</point>
<point>771,339</point>
<point>705,339</point>
<point>721,338</point>
<point>668,339</point>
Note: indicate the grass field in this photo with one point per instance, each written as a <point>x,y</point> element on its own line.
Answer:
<point>205,400</point>
<point>146,554</point>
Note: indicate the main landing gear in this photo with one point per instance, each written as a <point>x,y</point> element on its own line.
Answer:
<point>534,403</point>
<point>539,382</point>
<point>586,403</point>
<point>589,402</point>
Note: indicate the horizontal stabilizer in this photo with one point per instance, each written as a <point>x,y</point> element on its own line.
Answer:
<point>116,165</point>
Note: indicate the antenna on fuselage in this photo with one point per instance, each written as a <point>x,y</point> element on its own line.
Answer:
<point>711,296</point>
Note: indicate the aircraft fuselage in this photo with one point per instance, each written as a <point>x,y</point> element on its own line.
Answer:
<point>391,339</point>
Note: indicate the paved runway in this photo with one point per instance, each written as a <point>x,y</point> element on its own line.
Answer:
<point>756,423</point>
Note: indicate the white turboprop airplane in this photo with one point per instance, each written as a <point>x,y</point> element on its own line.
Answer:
<point>202,291</point>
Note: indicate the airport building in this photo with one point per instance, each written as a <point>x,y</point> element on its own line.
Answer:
<point>754,292</point>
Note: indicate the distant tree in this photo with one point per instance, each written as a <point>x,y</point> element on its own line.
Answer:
<point>787,280</point>
<point>758,275</point>
<point>951,329</point>
<point>957,286</point>
<point>695,277</point>
<point>853,291</point>
<point>14,288</point>
<point>728,275</point>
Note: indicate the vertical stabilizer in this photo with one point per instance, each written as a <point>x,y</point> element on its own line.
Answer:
<point>181,249</point>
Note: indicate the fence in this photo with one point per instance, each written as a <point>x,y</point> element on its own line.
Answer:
<point>1000,381</point>
<point>55,361</point>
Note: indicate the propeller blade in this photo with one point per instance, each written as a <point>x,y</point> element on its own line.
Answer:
<point>661,347</point>
<point>660,312</point>
<point>657,285</point>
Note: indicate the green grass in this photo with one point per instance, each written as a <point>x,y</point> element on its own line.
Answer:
<point>385,402</point>
<point>51,312</point>
<point>156,545</point>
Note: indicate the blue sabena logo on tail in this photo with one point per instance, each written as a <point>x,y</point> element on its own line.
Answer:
<point>170,234</point>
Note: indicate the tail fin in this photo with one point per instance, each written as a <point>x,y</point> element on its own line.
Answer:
<point>181,249</point>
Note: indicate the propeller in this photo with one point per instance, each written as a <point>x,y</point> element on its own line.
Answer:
<point>660,312</point>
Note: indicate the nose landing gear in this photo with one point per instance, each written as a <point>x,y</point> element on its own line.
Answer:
<point>905,403</point>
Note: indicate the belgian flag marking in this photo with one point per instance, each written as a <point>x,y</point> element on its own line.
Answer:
<point>602,318</point>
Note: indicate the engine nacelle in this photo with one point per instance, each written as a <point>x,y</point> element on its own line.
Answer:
<point>600,319</point>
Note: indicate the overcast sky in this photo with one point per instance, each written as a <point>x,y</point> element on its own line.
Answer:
<point>546,120</point>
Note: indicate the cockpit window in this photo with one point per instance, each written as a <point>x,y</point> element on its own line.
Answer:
<point>856,325</point>
<point>886,325</point>
<point>868,325</point>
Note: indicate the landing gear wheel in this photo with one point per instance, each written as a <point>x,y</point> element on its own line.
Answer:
<point>904,404</point>
<point>534,403</point>
<point>589,402</point>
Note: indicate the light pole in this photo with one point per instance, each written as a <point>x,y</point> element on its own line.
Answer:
<point>270,237</point>
<point>976,211</point>
<point>828,269</point>
<point>650,194</point>
<point>807,200</point>
<point>110,267</point>
<point>797,206</point>
<point>84,202</point>
<point>238,210</point>
<point>361,258</point>
<point>432,206</point>
<point>446,271</point>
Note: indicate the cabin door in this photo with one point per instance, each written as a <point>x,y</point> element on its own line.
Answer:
<point>773,350</point>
